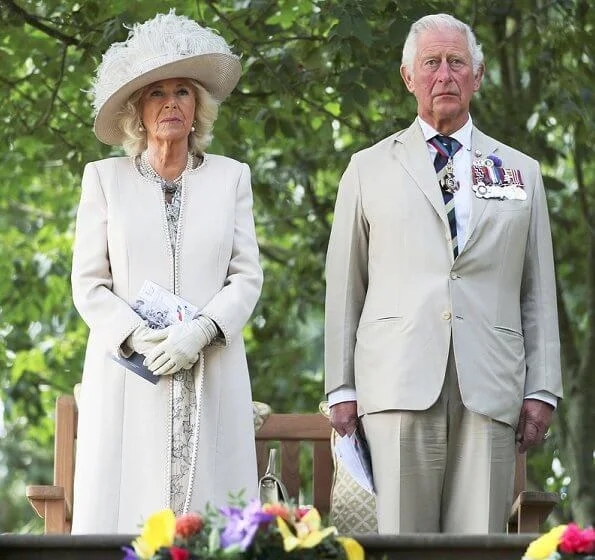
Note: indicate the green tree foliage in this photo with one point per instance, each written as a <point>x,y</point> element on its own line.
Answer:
<point>321,80</point>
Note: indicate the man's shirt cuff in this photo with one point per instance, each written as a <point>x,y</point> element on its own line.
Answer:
<point>341,394</point>
<point>544,396</point>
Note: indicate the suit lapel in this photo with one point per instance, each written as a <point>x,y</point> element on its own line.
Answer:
<point>415,158</point>
<point>483,144</point>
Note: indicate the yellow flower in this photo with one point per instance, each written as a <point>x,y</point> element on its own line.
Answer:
<point>353,549</point>
<point>159,530</point>
<point>308,533</point>
<point>541,548</point>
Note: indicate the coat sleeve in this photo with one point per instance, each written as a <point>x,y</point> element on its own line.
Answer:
<point>232,306</point>
<point>109,317</point>
<point>346,281</point>
<point>539,314</point>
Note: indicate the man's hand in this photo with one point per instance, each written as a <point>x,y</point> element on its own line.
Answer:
<point>344,417</point>
<point>535,419</point>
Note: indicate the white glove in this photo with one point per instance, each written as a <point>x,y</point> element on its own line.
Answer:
<point>143,339</point>
<point>181,347</point>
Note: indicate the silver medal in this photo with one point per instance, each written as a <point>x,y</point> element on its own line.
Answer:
<point>508,192</point>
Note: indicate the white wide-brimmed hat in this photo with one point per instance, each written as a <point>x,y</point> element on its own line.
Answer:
<point>167,46</point>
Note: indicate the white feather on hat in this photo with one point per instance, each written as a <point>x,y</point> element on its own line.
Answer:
<point>167,46</point>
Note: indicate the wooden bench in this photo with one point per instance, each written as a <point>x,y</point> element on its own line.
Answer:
<point>54,503</point>
<point>288,432</point>
<point>291,431</point>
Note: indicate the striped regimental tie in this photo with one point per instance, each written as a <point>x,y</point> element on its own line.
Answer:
<point>446,148</point>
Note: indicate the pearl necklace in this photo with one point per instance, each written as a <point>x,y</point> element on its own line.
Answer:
<point>168,187</point>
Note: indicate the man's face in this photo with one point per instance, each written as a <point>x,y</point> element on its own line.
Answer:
<point>443,81</point>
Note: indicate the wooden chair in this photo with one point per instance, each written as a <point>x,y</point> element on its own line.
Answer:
<point>530,508</point>
<point>54,503</point>
<point>288,432</point>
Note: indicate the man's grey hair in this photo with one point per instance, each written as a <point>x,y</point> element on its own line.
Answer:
<point>440,22</point>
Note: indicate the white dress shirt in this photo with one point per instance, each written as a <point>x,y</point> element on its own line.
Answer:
<point>462,161</point>
<point>462,165</point>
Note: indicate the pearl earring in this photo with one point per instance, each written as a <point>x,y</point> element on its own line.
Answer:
<point>141,127</point>
<point>193,128</point>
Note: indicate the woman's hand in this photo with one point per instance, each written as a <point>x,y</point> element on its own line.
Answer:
<point>143,339</point>
<point>181,347</point>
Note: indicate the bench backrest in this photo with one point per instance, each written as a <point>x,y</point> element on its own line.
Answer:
<point>290,432</point>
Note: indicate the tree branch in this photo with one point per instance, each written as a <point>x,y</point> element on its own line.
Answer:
<point>270,254</point>
<point>37,24</point>
<point>284,86</point>
<point>48,112</point>
<point>499,27</point>
<point>318,208</point>
<point>580,181</point>
<point>570,355</point>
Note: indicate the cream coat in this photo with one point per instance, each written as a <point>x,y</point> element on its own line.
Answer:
<point>396,296</point>
<point>124,430</point>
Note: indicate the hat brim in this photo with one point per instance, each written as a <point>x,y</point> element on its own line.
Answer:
<point>218,73</point>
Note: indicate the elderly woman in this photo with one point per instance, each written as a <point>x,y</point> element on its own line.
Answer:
<point>182,218</point>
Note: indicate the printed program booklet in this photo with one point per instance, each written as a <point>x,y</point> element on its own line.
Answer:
<point>160,308</point>
<point>354,453</point>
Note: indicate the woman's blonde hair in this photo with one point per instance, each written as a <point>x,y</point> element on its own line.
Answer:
<point>205,114</point>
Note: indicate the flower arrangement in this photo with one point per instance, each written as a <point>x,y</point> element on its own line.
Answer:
<point>242,532</point>
<point>564,542</point>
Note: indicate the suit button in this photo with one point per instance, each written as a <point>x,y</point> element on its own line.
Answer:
<point>454,276</point>
<point>446,315</point>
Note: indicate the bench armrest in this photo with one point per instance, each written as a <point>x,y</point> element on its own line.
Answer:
<point>50,504</point>
<point>529,511</point>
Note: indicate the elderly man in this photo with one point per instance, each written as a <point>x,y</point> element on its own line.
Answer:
<point>441,324</point>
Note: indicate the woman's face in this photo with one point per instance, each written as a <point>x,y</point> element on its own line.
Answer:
<point>167,110</point>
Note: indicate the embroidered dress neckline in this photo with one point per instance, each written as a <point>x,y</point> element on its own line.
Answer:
<point>198,162</point>
<point>169,187</point>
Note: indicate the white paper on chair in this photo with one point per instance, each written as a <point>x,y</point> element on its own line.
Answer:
<point>354,454</point>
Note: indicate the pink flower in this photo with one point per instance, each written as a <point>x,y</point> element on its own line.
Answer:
<point>188,525</point>
<point>278,510</point>
<point>575,541</point>
<point>179,553</point>
<point>300,512</point>
<point>589,535</point>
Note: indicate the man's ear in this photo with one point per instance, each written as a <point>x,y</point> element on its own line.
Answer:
<point>407,78</point>
<point>478,78</point>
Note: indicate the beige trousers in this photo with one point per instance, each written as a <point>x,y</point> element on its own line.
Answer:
<point>442,470</point>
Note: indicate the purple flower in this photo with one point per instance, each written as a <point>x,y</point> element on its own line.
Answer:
<point>497,161</point>
<point>130,554</point>
<point>242,525</point>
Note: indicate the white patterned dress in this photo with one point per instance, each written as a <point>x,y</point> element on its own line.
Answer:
<point>184,407</point>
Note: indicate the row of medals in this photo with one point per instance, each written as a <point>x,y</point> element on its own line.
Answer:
<point>487,182</point>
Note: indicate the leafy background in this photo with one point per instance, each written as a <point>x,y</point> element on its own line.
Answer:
<point>321,80</point>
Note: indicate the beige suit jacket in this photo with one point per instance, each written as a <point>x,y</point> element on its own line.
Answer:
<point>396,296</point>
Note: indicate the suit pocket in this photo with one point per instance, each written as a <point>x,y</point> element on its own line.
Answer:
<point>380,321</point>
<point>511,205</point>
<point>510,332</point>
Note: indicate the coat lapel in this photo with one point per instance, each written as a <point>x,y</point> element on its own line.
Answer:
<point>415,158</point>
<point>483,144</point>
